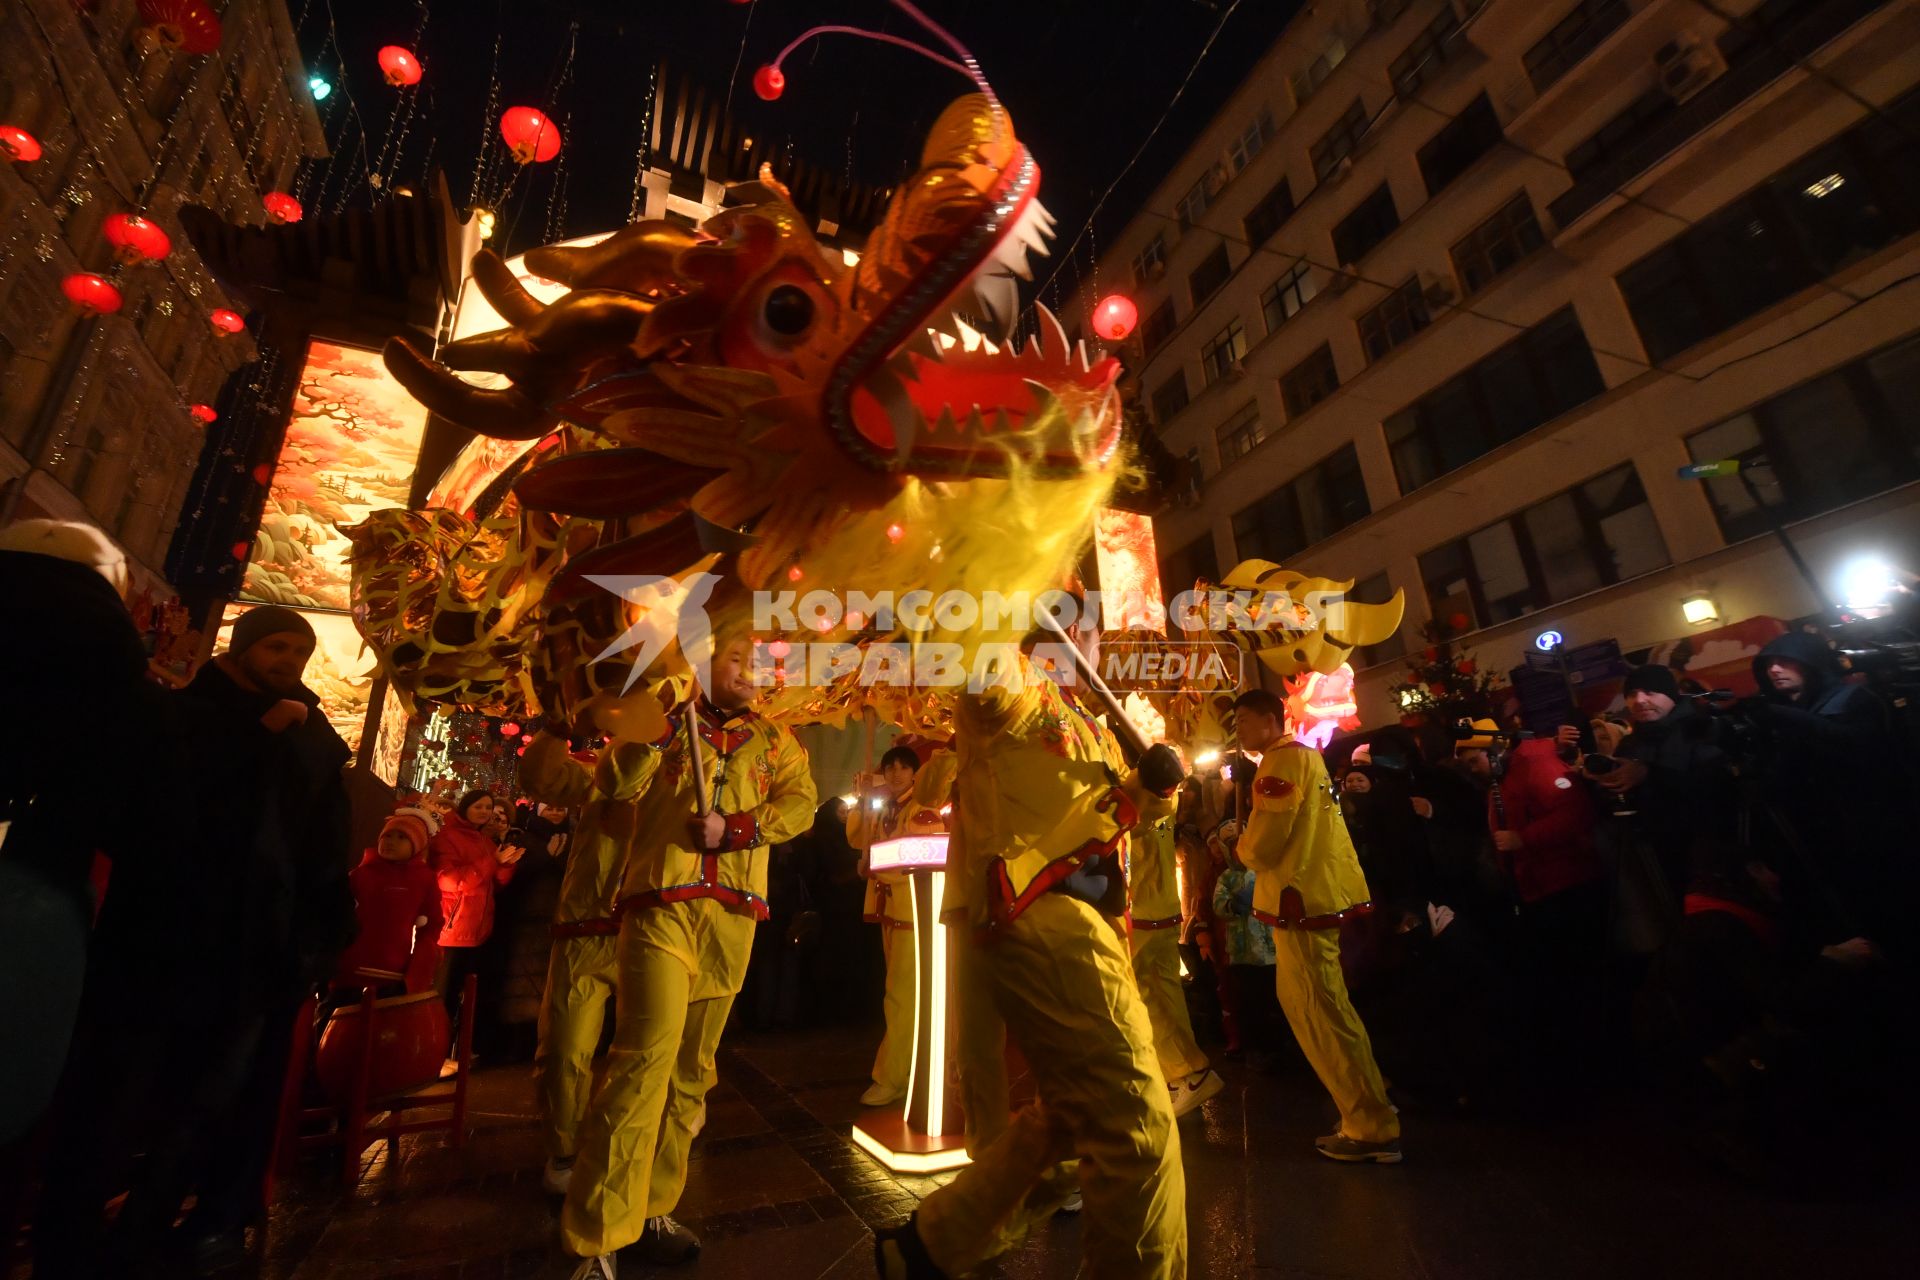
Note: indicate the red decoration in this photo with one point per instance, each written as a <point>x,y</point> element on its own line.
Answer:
<point>769,82</point>
<point>202,413</point>
<point>524,739</point>
<point>895,533</point>
<point>779,649</point>
<point>1459,621</point>
<point>225,321</point>
<point>262,474</point>
<point>281,208</point>
<point>401,67</point>
<point>93,294</point>
<point>135,239</point>
<point>509,730</point>
<point>530,135</point>
<point>190,26</point>
<point>1114,317</point>
<point>17,144</point>
<point>240,550</point>
<point>794,574</point>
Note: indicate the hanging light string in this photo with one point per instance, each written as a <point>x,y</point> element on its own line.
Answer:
<point>347,185</point>
<point>483,162</point>
<point>552,98</point>
<point>406,102</point>
<point>638,203</point>
<point>726,112</point>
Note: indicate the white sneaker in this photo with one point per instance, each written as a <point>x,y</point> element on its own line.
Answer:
<point>1188,1094</point>
<point>880,1095</point>
<point>600,1268</point>
<point>557,1176</point>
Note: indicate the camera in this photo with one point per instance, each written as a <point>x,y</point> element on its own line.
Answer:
<point>1596,765</point>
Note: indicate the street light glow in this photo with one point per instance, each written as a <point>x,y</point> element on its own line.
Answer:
<point>1867,582</point>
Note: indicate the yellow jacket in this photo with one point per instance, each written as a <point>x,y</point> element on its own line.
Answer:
<point>604,797</point>
<point>1306,874</point>
<point>868,827</point>
<point>1153,888</point>
<point>1041,787</point>
<point>758,780</point>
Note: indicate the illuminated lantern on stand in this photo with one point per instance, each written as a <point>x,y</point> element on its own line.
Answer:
<point>1114,317</point>
<point>530,135</point>
<point>225,322</point>
<point>93,294</point>
<point>135,239</point>
<point>399,66</point>
<point>281,208</point>
<point>17,144</point>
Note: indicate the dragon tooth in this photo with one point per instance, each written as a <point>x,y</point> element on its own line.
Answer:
<point>1080,356</point>
<point>1051,334</point>
<point>945,422</point>
<point>976,427</point>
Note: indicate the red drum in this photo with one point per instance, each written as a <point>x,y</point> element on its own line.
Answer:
<point>411,1035</point>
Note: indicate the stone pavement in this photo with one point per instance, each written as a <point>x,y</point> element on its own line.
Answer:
<point>776,1190</point>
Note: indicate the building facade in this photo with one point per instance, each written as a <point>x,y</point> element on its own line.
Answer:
<point>94,412</point>
<point>1450,290</point>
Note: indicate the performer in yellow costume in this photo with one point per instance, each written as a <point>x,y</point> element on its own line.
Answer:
<point>1153,937</point>
<point>1043,807</point>
<point>890,905</point>
<point>1307,879</point>
<point>695,886</point>
<point>582,966</point>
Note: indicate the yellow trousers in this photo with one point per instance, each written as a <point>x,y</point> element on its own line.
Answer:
<point>670,1009</point>
<point>1060,978</point>
<point>580,986</point>
<point>893,1064</point>
<point>1156,970</point>
<point>1313,992</point>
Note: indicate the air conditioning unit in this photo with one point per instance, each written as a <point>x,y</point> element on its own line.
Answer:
<point>1438,291</point>
<point>1685,66</point>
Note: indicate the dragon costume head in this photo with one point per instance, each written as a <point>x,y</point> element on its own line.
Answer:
<point>737,398</point>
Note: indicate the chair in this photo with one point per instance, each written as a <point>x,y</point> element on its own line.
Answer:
<point>364,1114</point>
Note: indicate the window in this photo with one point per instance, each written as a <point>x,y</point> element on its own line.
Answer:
<point>1194,203</point>
<point>1621,132</point>
<point>1181,569</point>
<point>1844,436</point>
<point>1307,81</point>
<point>1573,38</point>
<point>1252,140</point>
<point>1592,536</point>
<point>1461,141</point>
<point>1150,261</point>
<point>1267,217</point>
<point>1222,352</point>
<point>1338,142</point>
<point>1537,377</point>
<point>1313,506</point>
<point>1159,326</point>
<point>1370,223</point>
<point>1497,244</point>
<point>1193,477</point>
<point>1170,397</point>
<point>1285,296</point>
<point>1383,12</point>
<point>1377,590</point>
<point>1851,197</point>
<point>1213,271</point>
<point>1309,382</point>
<point>1420,61</point>
<point>1399,316</point>
<point>1240,433</point>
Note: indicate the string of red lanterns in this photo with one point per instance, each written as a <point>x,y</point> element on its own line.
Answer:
<point>399,65</point>
<point>529,135</point>
<point>93,294</point>
<point>135,239</point>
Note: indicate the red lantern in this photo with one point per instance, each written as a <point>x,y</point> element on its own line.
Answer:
<point>135,239</point>
<point>769,82</point>
<point>1114,317</point>
<point>779,649</point>
<point>225,322</point>
<point>401,67</point>
<point>895,533</point>
<point>795,574</point>
<point>262,474</point>
<point>524,739</point>
<point>530,135</point>
<point>202,413</point>
<point>190,26</point>
<point>240,550</point>
<point>281,208</point>
<point>1459,621</point>
<point>509,730</point>
<point>17,144</point>
<point>93,294</point>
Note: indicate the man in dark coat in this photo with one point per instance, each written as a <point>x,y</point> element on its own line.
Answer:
<point>205,952</point>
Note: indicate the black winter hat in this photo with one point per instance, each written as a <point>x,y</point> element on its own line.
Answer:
<point>256,625</point>
<point>1654,678</point>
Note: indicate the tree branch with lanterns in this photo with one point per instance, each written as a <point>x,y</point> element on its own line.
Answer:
<point>1445,683</point>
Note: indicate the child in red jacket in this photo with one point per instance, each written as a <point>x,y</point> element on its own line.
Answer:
<point>397,898</point>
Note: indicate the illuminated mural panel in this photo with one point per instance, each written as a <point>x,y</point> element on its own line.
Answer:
<point>1129,571</point>
<point>350,450</point>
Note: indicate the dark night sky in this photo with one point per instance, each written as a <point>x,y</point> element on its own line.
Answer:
<point>1085,80</point>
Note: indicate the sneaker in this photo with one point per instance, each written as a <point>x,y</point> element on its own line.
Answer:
<point>1074,1204</point>
<point>600,1268</point>
<point>557,1176</point>
<point>1338,1146</point>
<point>666,1243</point>
<point>1188,1094</point>
<point>899,1255</point>
<point>880,1095</point>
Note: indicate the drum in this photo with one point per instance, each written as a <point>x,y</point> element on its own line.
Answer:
<point>411,1034</point>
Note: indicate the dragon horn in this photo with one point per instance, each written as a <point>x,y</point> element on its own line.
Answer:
<point>503,414</point>
<point>509,297</point>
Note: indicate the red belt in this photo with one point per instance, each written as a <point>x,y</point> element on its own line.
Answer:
<point>1169,923</point>
<point>1331,920</point>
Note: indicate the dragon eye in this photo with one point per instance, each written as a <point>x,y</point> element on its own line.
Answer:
<point>789,310</point>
